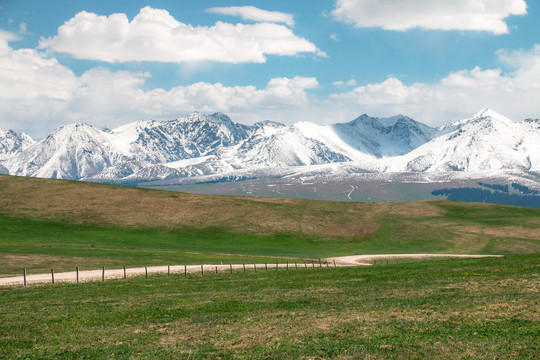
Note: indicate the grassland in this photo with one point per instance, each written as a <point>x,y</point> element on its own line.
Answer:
<point>62,224</point>
<point>438,309</point>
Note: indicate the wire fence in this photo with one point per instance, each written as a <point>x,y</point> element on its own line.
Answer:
<point>183,270</point>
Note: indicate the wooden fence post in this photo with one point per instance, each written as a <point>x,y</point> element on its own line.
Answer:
<point>312,264</point>
<point>305,264</point>
<point>146,272</point>
<point>230,266</point>
<point>320,264</point>
<point>244,266</point>
<point>277,266</point>
<point>254,267</point>
<point>334,263</point>
<point>168,270</point>
<point>24,275</point>
<point>103,273</point>
<point>52,275</point>
<point>265,267</point>
<point>295,265</point>
<point>216,269</point>
<point>202,270</point>
<point>77,268</point>
<point>287,265</point>
<point>185,270</point>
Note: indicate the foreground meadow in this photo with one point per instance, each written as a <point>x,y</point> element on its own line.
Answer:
<point>447,309</point>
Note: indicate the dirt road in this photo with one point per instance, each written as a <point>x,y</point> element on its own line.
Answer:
<point>97,275</point>
<point>356,260</point>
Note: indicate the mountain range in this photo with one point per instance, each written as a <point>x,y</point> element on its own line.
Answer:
<point>200,145</point>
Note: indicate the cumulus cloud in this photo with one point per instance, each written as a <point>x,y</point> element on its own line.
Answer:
<point>255,14</point>
<point>458,95</point>
<point>38,94</point>
<point>477,15</point>
<point>109,94</point>
<point>154,35</point>
<point>27,74</point>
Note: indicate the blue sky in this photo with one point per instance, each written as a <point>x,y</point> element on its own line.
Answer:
<point>111,62</point>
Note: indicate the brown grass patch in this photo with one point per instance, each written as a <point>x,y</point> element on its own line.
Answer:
<point>97,204</point>
<point>513,232</point>
<point>416,209</point>
<point>40,262</point>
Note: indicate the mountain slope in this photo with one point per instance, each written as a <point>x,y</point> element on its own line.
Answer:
<point>485,142</point>
<point>12,143</point>
<point>70,152</point>
<point>199,145</point>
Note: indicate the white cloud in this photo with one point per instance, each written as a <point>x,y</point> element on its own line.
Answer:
<point>37,94</point>
<point>154,35</point>
<point>477,15</point>
<point>118,96</point>
<point>22,29</point>
<point>456,96</point>
<point>28,74</point>
<point>255,14</point>
<point>351,82</point>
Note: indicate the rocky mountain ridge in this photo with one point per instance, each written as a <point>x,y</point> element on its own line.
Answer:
<point>199,145</point>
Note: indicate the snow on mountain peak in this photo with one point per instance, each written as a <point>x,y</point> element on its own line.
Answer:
<point>488,113</point>
<point>200,144</point>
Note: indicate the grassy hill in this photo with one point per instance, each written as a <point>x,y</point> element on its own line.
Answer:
<point>54,223</point>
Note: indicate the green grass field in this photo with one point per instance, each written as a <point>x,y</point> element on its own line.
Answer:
<point>437,309</point>
<point>447,309</point>
<point>62,224</point>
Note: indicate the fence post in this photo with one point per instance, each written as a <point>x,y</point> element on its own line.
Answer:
<point>146,272</point>
<point>254,267</point>
<point>103,273</point>
<point>124,271</point>
<point>216,269</point>
<point>334,263</point>
<point>295,265</point>
<point>312,264</point>
<point>24,275</point>
<point>326,263</point>
<point>287,265</point>
<point>230,266</point>
<point>202,270</point>
<point>265,267</point>
<point>168,270</point>
<point>320,264</point>
<point>77,274</point>
<point>277,266</point>
<point>244,266</point>
<point>305,264</point>
<point>185,270</point>
<point>52,275</point>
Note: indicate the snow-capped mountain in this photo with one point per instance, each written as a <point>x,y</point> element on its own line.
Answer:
<point>200,145</point>
<point>12,143</point>
<point>486,141</point>
<point>193,136</point>
<point>393,136</point>
<point>70,152</point>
